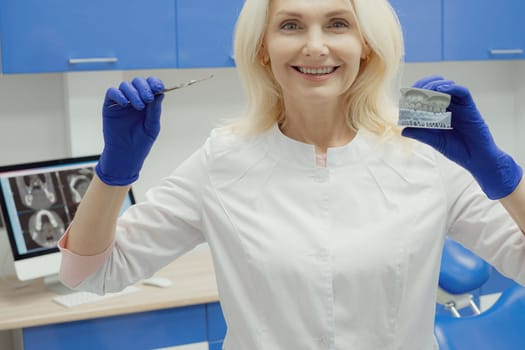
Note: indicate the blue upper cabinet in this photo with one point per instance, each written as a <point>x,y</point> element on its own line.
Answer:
<point>422,29</point>
<point>484,30</point>
<point>59,36</point>
<point>205,32</point>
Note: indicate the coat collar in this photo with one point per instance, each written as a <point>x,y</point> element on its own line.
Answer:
<point>303,154</point>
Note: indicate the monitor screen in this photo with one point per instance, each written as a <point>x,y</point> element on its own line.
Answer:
<point>39,201</point>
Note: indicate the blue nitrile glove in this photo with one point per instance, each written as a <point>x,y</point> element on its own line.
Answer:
<point>131,123</point>
<point>469,143</point>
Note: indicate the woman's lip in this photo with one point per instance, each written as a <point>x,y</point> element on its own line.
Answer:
<point>315,67</point>
<point>314,77</point>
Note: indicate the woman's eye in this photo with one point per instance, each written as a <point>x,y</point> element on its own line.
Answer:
<point>339,24</point>
<point>289,26</point>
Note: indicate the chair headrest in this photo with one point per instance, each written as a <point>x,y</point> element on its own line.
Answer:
<point>461,270</point>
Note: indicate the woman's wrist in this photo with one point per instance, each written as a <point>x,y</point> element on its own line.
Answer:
<point>514,203</point>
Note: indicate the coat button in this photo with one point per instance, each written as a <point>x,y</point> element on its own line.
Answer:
<point>324,340</point>
<point>321,175</point>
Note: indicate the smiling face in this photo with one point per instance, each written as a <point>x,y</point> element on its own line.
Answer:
<point>314,48</point>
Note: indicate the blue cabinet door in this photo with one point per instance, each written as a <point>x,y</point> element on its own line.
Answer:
<point>205,32</point>
<point>422,29</point>
<point>484,30</point>
<point>147,330</point>
<point>59,35</point>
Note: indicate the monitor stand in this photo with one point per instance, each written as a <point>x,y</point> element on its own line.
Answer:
<point>53,284</point>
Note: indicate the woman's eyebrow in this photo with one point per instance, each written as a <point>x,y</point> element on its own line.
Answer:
<point>285,13</point>
<point>343,12</point>
<point>335,13</point>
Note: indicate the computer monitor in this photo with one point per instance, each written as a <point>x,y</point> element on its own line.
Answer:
<point>39,201</point>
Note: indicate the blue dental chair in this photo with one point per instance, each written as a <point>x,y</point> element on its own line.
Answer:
<point>501,327</point>
<point>461,273</point>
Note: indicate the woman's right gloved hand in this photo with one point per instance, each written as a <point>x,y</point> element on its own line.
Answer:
<point>131,123</point>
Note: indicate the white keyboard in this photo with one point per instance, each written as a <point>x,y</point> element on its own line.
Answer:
<point>81,298</point>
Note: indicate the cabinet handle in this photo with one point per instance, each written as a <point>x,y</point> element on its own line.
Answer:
<point>93,60</point>
<point>506,52</point>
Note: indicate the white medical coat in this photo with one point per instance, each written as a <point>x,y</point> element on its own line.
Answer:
<point>343,257</point>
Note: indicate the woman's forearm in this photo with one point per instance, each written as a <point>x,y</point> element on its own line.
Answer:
<point>93,227</point>
<point>515,204</point>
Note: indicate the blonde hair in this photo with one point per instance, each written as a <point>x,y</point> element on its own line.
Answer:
<point>370,101</point>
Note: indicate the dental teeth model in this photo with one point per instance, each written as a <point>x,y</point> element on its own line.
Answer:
<point>421,108</point>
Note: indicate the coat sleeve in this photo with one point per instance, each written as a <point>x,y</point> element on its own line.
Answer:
<point>149,235</point>
<point>480,224</point>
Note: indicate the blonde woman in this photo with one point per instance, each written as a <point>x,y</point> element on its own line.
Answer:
<point>325,224</point>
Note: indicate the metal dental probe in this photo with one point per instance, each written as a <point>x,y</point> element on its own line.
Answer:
<point>175,87</point>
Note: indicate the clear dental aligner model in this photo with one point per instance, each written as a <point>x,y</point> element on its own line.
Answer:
<point>421,108</point>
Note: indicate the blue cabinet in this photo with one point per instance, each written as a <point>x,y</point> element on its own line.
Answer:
<point>422,29</point>
<point>205,32</point>
<point>483,29</point>
<point>197,324</point>
<point>58,36</point>
<point>147,330</point>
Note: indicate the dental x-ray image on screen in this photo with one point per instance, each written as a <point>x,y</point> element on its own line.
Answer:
<point>46,203</point>
<point>39,201</point>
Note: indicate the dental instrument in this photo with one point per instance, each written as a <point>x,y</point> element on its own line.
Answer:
<point>176,87</point>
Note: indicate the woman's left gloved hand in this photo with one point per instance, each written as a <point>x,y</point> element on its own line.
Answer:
<point>469,143</point>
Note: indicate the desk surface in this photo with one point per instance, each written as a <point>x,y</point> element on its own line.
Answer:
<point>193,279</point>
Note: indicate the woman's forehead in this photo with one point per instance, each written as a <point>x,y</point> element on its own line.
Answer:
<point>276,5</point>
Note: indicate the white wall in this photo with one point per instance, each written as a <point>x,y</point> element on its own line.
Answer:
<point>519,88</point>
<point>31,118</point>
<point>57,115</point>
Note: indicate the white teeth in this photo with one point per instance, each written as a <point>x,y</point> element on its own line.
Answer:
<point>316,71</point>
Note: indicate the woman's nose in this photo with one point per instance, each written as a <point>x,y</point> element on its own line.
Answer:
<point>315,44</point>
